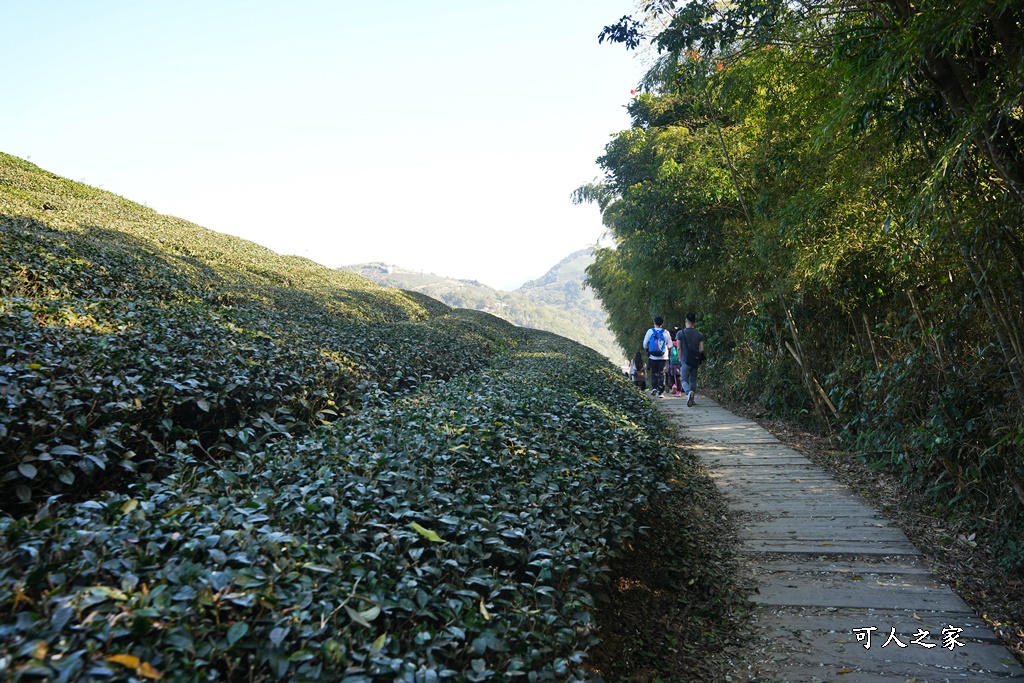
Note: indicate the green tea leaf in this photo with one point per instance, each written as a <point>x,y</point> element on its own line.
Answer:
<point>237,631</point>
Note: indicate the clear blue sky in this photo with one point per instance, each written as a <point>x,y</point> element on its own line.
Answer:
<point>442,136</point>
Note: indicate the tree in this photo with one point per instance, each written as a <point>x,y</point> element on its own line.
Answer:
<point>839,185</point>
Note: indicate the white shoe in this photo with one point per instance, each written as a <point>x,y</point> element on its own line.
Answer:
<point>689,400</point>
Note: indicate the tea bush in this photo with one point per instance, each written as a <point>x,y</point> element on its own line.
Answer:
<point>223,464</point>
<point>95,387</point>
<point>453,532</point>
<point>125,331</point>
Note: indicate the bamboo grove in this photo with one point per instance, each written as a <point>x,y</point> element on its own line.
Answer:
<point>837,189</point>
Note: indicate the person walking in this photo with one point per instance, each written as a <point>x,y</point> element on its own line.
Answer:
<point>674,379</point>
<point>657,341</point>
<point>691,351</point>
<point>636,372</point>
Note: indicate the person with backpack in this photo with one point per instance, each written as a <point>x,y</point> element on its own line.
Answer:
<point>674,379</point>
<point>657,341</point>
<point>691,350</point>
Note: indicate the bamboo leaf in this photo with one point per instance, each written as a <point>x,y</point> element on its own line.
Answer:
<point>483,610</point>
<point>426,533</point>
<point>146,670</point>
<point>130,661</point>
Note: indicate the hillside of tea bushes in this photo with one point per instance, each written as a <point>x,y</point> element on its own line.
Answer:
<point>219,463</point>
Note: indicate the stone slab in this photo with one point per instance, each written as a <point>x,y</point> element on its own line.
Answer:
<point>760,472</point>
<point>822,534</point>
<point>801,591</point>
<point>777,506</point>
<point>906,622</point>
<point>970,661</point>
<point>778,486</point>
<point>775,448</point>
<point>880,672</point>
<point>843,565</point>
<point>799,547</point>
<point>777,475</point>
<point>765,452</point>
<point>770,463</point>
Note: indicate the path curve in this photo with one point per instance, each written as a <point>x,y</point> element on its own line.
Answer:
<point>828,568</point>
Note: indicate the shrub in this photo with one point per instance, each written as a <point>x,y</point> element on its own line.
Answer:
<point>224,464</point>
<point>454,532</point>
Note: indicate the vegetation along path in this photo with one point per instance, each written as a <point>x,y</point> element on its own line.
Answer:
<point>842,594</point>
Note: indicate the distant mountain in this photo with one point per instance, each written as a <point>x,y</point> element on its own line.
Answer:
<point>557,301</point>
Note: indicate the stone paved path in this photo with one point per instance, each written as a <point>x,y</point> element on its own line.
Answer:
<point>827,566</point>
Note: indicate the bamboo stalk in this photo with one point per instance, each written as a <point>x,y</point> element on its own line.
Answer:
<point>808,376</point>
<point>728,159</point>
<point>828,401</point>
<point>793,353</point>
<point>1012,360</point>
<point>821,392</point>
<point>927,332</point>
<point>1013,330</point>
<point>871,342</point>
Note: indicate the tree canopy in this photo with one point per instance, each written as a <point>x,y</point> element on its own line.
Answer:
<point>836,189</point>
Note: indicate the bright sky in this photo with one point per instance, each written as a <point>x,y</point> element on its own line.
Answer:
<point>442,136</point>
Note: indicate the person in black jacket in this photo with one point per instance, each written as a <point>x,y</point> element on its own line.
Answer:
<point>691,351</point>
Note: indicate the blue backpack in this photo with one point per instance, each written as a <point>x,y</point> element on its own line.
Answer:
<point>656,344</point>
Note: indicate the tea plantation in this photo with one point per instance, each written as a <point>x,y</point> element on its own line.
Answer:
<point>219,463</point>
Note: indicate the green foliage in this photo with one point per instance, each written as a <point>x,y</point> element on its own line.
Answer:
<point>223,464</point>
<point>98,389</point>
<point>121,341</point>
<point>315,556</point>
<point>811,182</point>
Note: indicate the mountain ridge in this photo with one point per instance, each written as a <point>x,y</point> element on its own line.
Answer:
<point>558,301</point>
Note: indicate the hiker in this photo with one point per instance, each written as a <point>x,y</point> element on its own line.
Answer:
<point>675,362</point>
<point>636,372</point>
<point>657,341</point>
<point>691,351</point>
